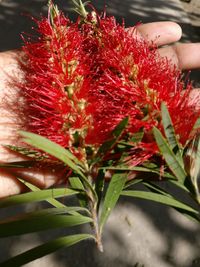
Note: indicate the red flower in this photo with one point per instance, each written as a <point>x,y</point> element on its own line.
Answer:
<point>54,84</point>
<point>133,80</point>
<point>82,79</point>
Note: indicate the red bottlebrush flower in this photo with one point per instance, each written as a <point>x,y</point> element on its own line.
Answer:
<point>54,87</point>
<point>132,80</point>
<point>81,79</point>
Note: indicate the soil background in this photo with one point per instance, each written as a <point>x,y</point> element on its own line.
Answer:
<point>139,233</point>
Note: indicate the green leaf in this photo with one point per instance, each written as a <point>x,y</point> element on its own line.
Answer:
<point>158,189</point>
<point>112,195</point>
<point>54,202</point>
<point>193,132</point>
<point>44,249</point>
<point>155,188</point>
<point>181,186</point>
<point>59,152</point>
<point>132,182</point>
<point>196,125</point>
<point>26,152</point>
<point>80,8</point>
<point>18,164</point>
<point>36,196</point>
<point>137,137</point>
<point>170,133</point>
<point>189,215</point>
<point>120,127</point>
<point>53,149</point>
<point>163,199</point>
<point>31,224</point>
<point>77,184</point>
<point>169,156</point>
<point>44,212</point>
<point>108,145</point>
<point>99,186</point>
<point>139,169</point>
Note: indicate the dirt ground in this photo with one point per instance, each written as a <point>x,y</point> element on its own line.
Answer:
<point>138,231</point>
<point>193,10</point>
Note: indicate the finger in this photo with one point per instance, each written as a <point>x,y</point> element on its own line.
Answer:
<point>161,33</point>
<point>42,177</point>
<point>9,185</point>
<point>194,97</point>
<point>185,56</point>
<point>8,59</point>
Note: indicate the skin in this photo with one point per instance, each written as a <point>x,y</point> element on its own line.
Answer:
<point>164,34</point>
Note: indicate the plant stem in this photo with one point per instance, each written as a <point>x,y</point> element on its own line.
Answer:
<point>98,238</point>
<point>93,204</point>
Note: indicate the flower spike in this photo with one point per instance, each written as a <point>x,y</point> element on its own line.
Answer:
<point>89,76</point>
<point>53,12</point>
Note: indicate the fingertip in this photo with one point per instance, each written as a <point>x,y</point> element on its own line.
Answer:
<point>162,32</point>
<point>194,98</point>
<point>9,185</point>
<point>175,30</point>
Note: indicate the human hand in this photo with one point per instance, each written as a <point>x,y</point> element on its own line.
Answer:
<point>164,34</point>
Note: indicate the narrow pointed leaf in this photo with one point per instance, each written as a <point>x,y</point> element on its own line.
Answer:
<point>120,127</point>
<point>163,199</point>
<point>57,151</point>
<point>107,146</point>
<point>139,169</point>
<point>193,132</point>
<point>18,164</point>
<point>169,156</point>
<point>99,186</point>
<point>132,182</point>
<point>36,196</point>
<point>181,186</point>
<point>190,215</point>
<point>54,202</point>
<point>43,212</point>
<point>170,133</point>
<point>155,188</point>
<point>33,224</point>
<point>27,152</point>
<point>112,195</point>
<point>45,249</point>
<point>77,184</point>
<point>53,149</point>
<point>137,137</point>
<point>196,125</point>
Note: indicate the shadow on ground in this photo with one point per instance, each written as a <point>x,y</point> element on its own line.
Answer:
<point>137,231</point>
<point>13,18</point>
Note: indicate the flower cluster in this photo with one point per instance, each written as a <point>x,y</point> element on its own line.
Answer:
<point>82,78</point>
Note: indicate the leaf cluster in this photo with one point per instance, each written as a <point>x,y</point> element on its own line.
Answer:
<point>99,184</point>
